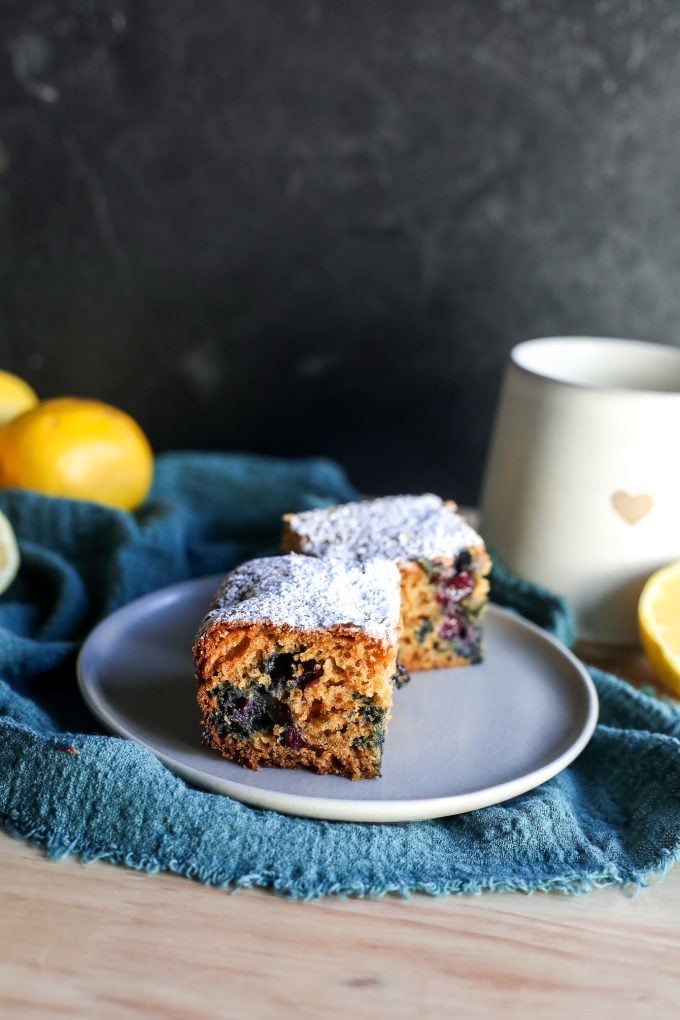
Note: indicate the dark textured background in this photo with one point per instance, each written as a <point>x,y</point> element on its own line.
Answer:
<point>317,227</point>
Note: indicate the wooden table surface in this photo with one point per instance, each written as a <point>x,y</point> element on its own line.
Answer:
<point>97,941</point>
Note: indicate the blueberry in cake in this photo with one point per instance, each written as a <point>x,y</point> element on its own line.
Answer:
<point>296,662</point>
<point>442,561</point>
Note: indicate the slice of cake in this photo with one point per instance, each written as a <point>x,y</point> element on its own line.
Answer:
<point>295,664</point>
<point>443,564</point>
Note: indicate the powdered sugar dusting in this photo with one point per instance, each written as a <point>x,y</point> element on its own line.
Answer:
<point>396,527</point>
<point>311,594</point>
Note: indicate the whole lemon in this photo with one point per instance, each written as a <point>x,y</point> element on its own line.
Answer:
<point>16,396</point>
<point>80,449</point>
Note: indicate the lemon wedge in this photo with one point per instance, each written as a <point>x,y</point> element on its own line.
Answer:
<point>9,554</point>
<point>659,624</point>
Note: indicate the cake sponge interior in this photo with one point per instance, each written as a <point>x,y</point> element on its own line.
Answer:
<point>277,696</point>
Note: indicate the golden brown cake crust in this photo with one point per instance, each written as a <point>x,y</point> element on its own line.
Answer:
<point>324,762</point>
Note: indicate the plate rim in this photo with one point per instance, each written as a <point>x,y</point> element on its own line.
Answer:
<point>341,809</point>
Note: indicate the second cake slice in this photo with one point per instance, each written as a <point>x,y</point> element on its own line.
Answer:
<point>442,560</point>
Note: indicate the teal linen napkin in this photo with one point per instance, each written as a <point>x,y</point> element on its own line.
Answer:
<point>612,817</point>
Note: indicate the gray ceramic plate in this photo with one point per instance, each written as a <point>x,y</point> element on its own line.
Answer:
<point>459,739</point>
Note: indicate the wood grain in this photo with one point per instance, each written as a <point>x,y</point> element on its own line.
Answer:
<point>101,941</point>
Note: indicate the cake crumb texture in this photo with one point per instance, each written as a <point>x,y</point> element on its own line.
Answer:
<point>297,676</point>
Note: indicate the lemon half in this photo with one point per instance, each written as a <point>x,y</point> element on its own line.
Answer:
<point>659,624</point>
<point>9,554</point>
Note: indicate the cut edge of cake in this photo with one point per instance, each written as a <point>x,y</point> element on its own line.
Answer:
<point>295,664</point>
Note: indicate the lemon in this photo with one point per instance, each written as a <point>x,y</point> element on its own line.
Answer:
<point>80,449</point>
<point>16,396</point>
<point>9,554</point>
<point>659,624</point>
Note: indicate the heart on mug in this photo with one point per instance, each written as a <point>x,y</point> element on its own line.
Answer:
<point>631,508</point>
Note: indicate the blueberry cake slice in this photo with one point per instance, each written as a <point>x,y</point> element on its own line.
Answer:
<point>442,561</point>
<point>296,661</point>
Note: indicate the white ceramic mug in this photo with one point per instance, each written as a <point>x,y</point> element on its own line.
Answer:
<point>581,490</point>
